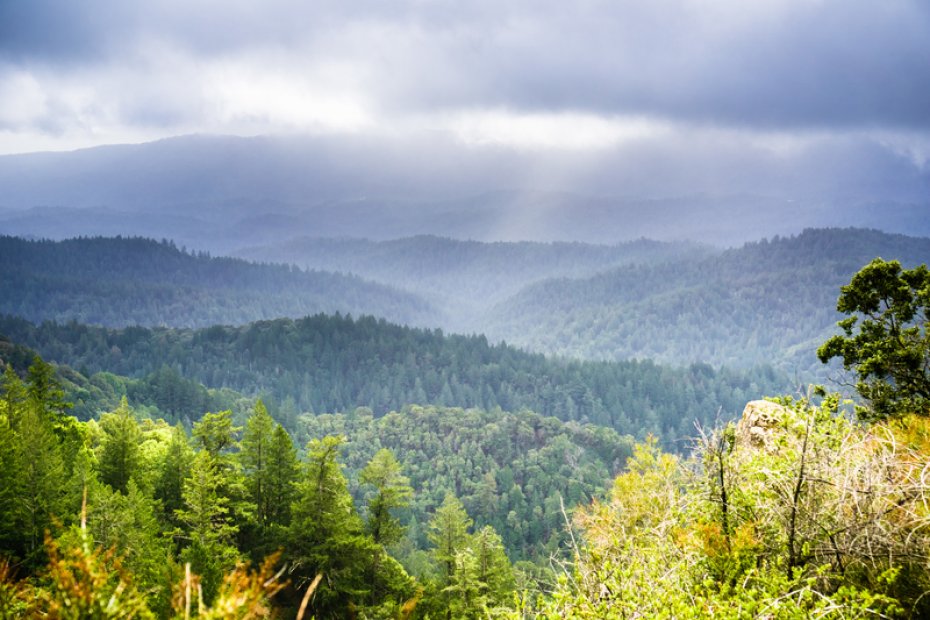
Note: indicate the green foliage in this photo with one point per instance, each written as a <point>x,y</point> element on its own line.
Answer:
<point>448,532</point>
<point>508,469</point>
<point>793,513</point>
<point>331,364</point>
<point>173,470</point>
<point>207,525</point>
<point>768,302</point>
<point>391,491</point>
<point>886,341</point>
<point>134,281</point>
<point>119,457</point>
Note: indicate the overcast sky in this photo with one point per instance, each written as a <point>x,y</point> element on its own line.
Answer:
<point>738,80</point>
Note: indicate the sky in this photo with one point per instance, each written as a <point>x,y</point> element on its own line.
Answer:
<point>726,87</point>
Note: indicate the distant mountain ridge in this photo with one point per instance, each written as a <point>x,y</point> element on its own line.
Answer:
<point>771,301</point>
<point>467,278</point>
<point>134,281</point>
<point>765,302</point>
<point>220,193</point>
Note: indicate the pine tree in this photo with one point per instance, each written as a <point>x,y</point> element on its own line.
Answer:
<point>493,569</point>
<point>448,533</point>
<point>326,534</point>
<point>41,491</point>
<point>207,524</point>
<point>255,458</point>
<point>176,467</point>
<point>282,475</point>
<point>392,491</point>
<point>119,457</point>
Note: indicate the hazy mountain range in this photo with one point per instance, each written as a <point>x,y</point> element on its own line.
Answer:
<point>765,302</point>
<point>221,193</point>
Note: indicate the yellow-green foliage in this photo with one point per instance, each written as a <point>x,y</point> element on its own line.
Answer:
<point>826,519</point>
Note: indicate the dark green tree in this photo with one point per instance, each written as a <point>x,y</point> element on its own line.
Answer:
<point>283,469</point>
<point>44,390</point>
<point>41,492</point>
<point>886,340</point>
<point>326,533</point>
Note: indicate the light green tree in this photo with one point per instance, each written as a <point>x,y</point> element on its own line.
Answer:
<point>119,455</point>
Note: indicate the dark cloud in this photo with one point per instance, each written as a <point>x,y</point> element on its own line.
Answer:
<point>793,64</point>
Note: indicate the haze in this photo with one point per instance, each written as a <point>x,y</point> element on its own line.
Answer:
<point>590,120</point>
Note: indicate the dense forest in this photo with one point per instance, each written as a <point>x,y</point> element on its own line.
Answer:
<point>675,303</point>
<point>329,364</point>
<point>133,281</point>
<point>163,499</point>
<point>466,278</point>
<point>771,301</point>
<point>398,472</point>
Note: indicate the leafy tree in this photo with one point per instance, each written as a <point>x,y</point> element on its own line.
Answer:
<point>14,395</point>
<point>493,569</point>
<point>886,341</point>
<point>44,390</point>
<point>282,472</point>
<point>216,432</point>
<point>448,534</point>
<point>41,490</point>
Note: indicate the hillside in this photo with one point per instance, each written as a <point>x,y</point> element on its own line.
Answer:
<point>335,363</point>
<point>129,281</point>
<point>766,302</point>
<point>466,278</point>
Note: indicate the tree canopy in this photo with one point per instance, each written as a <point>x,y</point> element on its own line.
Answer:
<point>885,340</point>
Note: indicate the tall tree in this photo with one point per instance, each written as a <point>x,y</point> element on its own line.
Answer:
<point>282,475</point>
<point>392,492</point>
<point>448,533</point>
<point>493,569</point>
<point>41,495</point>
<point>207,525</point>
<point>255,456</point>
<point>173,471</point>
<point>216,432</point>
<point>119,457</point>
<point>326,533</point>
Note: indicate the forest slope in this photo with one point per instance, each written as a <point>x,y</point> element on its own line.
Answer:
<point>128,281</point>
<point>466,278</point>
<point>335,363</point>
<point>769,301</point>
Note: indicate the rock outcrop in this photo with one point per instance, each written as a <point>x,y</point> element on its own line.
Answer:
<point>758,426</point>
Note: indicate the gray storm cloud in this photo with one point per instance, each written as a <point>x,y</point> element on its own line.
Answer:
<point>773,64</point>
<point>653,98</point>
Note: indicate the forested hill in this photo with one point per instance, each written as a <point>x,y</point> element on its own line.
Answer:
<point>467,277</point>
<point>335,363</point>
<point>768,301</point>
<point>125,281</point>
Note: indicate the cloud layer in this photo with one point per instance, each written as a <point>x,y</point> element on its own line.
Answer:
<point>749,88</point>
